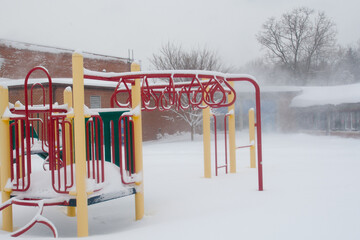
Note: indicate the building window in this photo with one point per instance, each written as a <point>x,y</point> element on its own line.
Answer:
<point>356,121</point>
<point>95,102</point>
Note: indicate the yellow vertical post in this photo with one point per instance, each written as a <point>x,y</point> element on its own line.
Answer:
<point>136,105</point>
<point>252,137</point>
<point>206,142</point>
<point>7,217</point>
<point>232,143</point>
<point>71,211</point>
<point>80,157</point>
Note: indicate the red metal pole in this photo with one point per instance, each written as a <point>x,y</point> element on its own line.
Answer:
<point>97,149</point>
<point>226,148</point>
<point>64,153</point>
<point>88,148</point>
<point>215,136</point>
<point>258,124</point>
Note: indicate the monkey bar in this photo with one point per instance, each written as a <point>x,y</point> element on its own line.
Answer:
<point>182,89</point>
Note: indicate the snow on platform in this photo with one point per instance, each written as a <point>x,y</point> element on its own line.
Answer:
<point>41,185</point>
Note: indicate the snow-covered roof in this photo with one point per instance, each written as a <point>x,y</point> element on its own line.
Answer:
<point>68,81</point>
<point>244,88</point>
<point>327,95</point>
<point>56,50</point>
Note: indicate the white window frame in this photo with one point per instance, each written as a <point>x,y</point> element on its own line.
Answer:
<point>95,101</point>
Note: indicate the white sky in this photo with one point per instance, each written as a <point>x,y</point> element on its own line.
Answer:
<point>113,26</point>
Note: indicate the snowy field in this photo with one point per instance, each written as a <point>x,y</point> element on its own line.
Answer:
<point>311,191</point>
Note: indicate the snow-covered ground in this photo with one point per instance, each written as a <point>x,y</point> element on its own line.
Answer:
<point>311,191</point>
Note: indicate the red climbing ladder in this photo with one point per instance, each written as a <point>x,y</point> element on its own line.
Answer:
<point>225,165</point>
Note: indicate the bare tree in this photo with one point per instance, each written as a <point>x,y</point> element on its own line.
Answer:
<point>174,57</point>
<point>300,41</point>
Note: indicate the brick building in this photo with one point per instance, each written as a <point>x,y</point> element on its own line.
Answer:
<point>16,59</point>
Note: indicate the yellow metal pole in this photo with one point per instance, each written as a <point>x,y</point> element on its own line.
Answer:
<point>232,143</point>
<point>252,137</point>
<point>5,174</point>
<point>71,211</point>
<point>80,157</point>
<point>206,142</point>
<point>136,103</point>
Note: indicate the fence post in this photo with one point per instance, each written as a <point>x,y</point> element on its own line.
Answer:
<point>252,137</point>
<point>136,103</point>
<point>80,157</point>
<point>68,99</point>
<point>232,143</point>
<point>7,216</point>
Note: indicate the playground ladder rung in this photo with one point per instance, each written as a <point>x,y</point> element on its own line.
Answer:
<point>246,146</point>
<point>222,166</point>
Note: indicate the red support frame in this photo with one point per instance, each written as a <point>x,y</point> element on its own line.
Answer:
<point>258,125</point>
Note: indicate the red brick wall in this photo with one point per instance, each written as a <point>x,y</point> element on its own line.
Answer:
<point>18,62</point>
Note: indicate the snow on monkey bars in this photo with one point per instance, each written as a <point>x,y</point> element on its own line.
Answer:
<point>183,89</point>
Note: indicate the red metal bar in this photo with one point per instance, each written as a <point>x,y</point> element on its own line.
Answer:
<point>258,125</point>
<point>215,140</point>
<point>71,154</point>
<point>17,161</point>
<point>92,148</point>
<point>57,152</point>
<point>126,142</point>
<point>226,148</point>
<point>11,150</point>
<point>129,153</point>
<point>102,149</point>
<point>64,153</point>
<point>31,93</point>
<point>113,143</point>
<point>88,148</point>
<point>32,111</point>
<point>113,98</point>
<point>146,95</point>
<point>122,119</point>
<point>96,143</point>
<point>133,148</point>
<point>28,154</point>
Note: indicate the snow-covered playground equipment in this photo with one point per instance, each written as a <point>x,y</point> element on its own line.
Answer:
<point>93,156</point>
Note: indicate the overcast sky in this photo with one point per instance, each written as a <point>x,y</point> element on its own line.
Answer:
<point>113,26</point>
